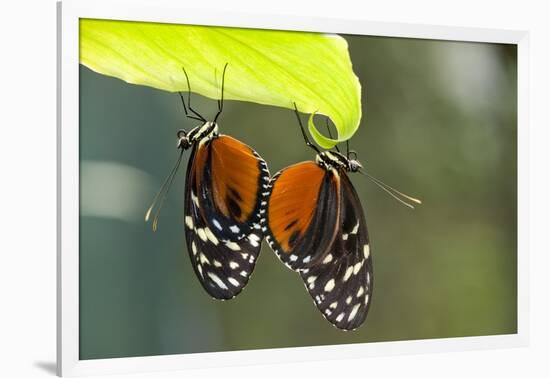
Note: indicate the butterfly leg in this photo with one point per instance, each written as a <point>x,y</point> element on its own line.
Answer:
<point>306,140</point>
<point>220,101</point>
<point>196,116</point>
<point>330,134</point>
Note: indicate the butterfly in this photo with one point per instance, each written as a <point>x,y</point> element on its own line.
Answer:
<point>316,226</point>
<point>225,199</point>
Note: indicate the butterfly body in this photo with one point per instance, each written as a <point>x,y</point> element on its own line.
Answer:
<point>199,134</point>
<point>335,160</point>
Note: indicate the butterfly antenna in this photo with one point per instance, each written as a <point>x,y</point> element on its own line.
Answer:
<point>392,191</point>
<point>330,134</point>
<point>306,140</point>
<point>161,194</point>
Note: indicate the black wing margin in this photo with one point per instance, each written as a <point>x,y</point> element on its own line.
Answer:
<point>341,284</point>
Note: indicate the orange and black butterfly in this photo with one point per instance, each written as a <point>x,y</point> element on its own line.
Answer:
<point>225,198</point>
<point>316,226</point>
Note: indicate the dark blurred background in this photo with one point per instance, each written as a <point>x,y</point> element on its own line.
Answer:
<point>439,122</point>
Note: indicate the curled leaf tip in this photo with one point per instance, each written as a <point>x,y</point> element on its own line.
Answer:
<point>322,140</point>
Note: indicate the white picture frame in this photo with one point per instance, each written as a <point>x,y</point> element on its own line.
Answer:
<point>69,13</point>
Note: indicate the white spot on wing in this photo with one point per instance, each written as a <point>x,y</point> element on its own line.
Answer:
<point>348,299</point>
<point>211,236</point>
<point>357,267</point>
<point>333,305</point>
<point>235,229</point>
<point>195,199</point>
<point>330,285</point>
<point>199,268</point>
<point>366,251</point>
<point>327,259</point>
<point>355,229</point>
<point>217,264</point>
<point>233,246</point>
<point>189,222</point>
<point>201,233</point>
<point>340,317</point>
<point>233,282</point>
<point>349,270</point>
<point>360,291</point>
<point>204,259</point>
<point>217,280</point>
<point>354,311</point>
<point>194,248</point>
<point>233,265</point>
<point>217,224</point>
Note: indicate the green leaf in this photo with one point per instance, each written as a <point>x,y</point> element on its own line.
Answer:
<point>265,66</point>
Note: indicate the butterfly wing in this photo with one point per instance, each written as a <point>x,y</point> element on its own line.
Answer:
<point>222,266</point>
<point>234,183</point>
<point>341,285</point>
<point>302,214</point>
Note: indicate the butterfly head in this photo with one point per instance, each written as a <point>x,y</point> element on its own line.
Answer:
<point>183,140</point>
<point>202,133</point>
<point>336,160</point>
<point>354,164</point>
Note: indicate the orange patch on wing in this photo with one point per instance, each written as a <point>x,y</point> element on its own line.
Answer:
<point>198,162</point>
<point>236,174</point>
<point>293,202</point>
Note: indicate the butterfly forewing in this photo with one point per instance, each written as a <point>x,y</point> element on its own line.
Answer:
<point>302,214</point>
<point>233,188</point>
<point>223,265</point>
<point>341,285</point>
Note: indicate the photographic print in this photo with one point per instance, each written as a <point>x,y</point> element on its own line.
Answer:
<point>246,189</point>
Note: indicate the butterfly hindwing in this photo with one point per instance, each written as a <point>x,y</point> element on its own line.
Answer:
<point>223,266</point>
<point>302,214</point>
<point>341,285</point>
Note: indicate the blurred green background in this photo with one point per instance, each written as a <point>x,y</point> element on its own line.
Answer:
<point>439,123</point>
